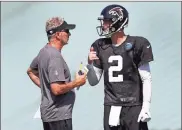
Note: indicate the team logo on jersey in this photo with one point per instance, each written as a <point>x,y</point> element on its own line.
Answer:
<point>117,11</point>
<point>128,46</point>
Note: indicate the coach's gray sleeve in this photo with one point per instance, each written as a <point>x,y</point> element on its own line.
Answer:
<point>56,70</point>
<point>34,64</point>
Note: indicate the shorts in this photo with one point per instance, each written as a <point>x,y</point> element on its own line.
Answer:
<point>58,125</point>
<point>128,119</point>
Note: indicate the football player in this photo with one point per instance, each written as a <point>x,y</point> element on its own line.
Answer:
<point>124,62</point>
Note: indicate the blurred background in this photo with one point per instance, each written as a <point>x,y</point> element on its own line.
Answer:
<point>23,35</point>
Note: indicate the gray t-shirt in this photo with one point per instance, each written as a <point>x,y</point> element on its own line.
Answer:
<point>52,68</point>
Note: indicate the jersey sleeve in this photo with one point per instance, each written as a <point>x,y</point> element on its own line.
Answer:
<point>145,53</point>
<point>97,63</point>
<point>34,63</point>
<point>56,70</point>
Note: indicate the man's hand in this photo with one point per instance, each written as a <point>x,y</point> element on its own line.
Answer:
<point>145,115</point>
<point>92,56</point>
<point>62,87</point>
<point>80,79</point>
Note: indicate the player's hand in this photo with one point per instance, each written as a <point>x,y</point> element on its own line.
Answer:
<point>145,115</point>
<point>92,56</point>
<point>80,79</point>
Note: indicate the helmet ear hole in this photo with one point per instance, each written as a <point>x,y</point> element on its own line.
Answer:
<point>113,29</point>
<point>113,19</point>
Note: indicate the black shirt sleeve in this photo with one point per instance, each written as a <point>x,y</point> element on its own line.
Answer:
<point>145,53</point>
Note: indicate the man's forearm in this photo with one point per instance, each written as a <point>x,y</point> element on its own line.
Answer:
<point>34,76</point>
<point>147,83</point>
<point>62,88</point>
<point>35,79</point>
<point>94,75</point>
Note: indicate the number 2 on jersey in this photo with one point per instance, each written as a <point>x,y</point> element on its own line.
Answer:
<point>119,67</point>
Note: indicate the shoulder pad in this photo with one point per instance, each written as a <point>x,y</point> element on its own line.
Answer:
<point>102,41</point>
<point>140,42</point>
<point>140,39</point>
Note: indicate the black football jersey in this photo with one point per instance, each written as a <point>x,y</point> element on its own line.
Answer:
<point>120,65</point>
